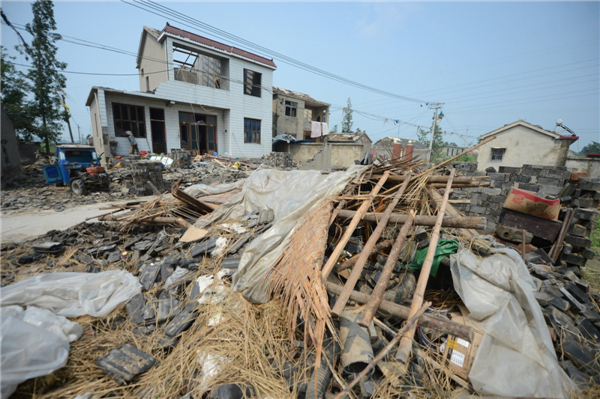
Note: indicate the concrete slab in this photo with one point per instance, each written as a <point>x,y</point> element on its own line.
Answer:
<point>21,227</point>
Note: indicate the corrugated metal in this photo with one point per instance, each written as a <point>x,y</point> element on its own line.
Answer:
<point>211,43</point>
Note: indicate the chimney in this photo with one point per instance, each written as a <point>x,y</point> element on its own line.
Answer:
<point>408,155</point>
<point>397,151</point>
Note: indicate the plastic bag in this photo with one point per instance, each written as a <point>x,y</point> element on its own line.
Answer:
<point>516,357</point>
<point>443,249</point>
<point>290,194</point>
<point>33,343</point>
<point>74,294</point>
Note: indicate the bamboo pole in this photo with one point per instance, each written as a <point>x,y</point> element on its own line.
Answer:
<point>437,323</point>
<point>352,226</point>
<point>377,295</point>
<point>456,221</point>
<point>410,324</point>
<point>405,344</point>
<point>366,252</point>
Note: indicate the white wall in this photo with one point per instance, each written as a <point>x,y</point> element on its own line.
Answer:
<point>153,63</point>
<point>523,146</point>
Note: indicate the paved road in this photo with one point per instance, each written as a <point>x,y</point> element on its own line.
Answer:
<point>21,227</point>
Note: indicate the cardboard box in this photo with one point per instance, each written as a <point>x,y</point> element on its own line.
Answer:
<point>530,204</point>
<point>458,354</point>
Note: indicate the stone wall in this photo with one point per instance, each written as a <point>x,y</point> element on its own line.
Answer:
<point>488,201</point>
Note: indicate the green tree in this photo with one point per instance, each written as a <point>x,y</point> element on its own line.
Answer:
<point>334,129</point>
<point>592,148</point>
<point>347,119</point>
<point>14,97</point>
<point>45,74</point>
<point>424,137</point>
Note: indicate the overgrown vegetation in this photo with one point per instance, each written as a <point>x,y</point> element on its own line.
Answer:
<point>592,267</point>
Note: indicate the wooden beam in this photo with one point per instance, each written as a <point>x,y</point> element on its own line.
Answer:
<point>455,221</point>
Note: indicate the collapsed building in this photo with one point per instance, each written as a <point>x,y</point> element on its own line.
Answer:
<point>367,282</point>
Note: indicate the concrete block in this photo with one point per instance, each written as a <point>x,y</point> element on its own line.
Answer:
<point>509,169</point>
<point>579,242</point>
<point>550,190</point>
<point>544,181</point>
<point>579,231</point>
<point>586,214</point>
<point>529,187</point>
<point>124,363</point>
<point>499,176</point>
<point>492,191</point>
<point>522,179</point>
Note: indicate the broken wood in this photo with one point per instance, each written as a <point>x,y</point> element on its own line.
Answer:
<point>542,228</point>
<point>524,247</point>
<point>168,220</point>
<point>328,267</point>
<point>377,295</point>
<point>153,187</point>
<point>340,304</point>
<point>394,178</point>
<point>410,324</point>
<point>455,221</point>
<point>559,243</point>
<point>406,343</point>
<point>335,212</point>
<point>437,323</point>
<point>194,203</point>
<point>352,261</point>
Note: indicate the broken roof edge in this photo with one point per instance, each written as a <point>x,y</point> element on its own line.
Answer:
<point>179,33</point>
<point>95,89</point>
<point>145,30</point>
<point>520,122</point>
<point>301,96</point>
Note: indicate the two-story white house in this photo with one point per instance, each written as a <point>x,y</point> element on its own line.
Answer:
<point>195,93</point>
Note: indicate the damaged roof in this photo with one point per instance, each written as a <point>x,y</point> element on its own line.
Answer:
<point>398,140</point>
<point>172,30</point>
<point>300,96</point>
<point>347,137</point>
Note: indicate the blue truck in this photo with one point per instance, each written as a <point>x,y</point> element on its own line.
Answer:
<point>79,167</point>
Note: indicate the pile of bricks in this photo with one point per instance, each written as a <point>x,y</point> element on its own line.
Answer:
<point>144,171</point>
<point>181,158</point>
<point>128,160</point>
<point>577,246</point>
<point>488,201</point>
<point>281,159</point>
<point>582,192</point>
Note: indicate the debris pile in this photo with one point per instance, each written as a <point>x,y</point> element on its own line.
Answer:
<point>359,283</point>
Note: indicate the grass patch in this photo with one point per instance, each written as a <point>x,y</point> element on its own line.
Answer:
<point>592,269</point>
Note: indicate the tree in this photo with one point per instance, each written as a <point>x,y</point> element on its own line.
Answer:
<point>424,137</point>
<point>347,119</point>
<point>45,74</point>
<point>592,148</point>
<point>334,129</point>
<point>14,97</point>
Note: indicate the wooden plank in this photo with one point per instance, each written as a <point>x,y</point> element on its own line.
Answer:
<point>542,228</point>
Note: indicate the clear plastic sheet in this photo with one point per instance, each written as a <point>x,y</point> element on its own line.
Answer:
<point>516,357</point>
<point>74,294</point>
<point>34,342</point>
<point>290,194</point>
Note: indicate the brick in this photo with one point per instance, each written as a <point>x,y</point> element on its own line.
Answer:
<point>477,209</point>
<point>492,191</point>
<point>499,176</point>
<point>550,190</point>
<point>529,187</point>
<point>588,254</point>
<point>522,179</point>
<point>584,203</point>
<point>579,242</point>
<point>557,174</point>
<point>579,231</point>
<point>544,181</point>
<point>509,169</point>
<point>499,199</point>
<point>573,259</point>
<point>586,214</point>
<point>589,186</point>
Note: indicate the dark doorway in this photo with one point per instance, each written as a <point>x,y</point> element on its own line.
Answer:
<point>198,132</point>
<point>157,127</point>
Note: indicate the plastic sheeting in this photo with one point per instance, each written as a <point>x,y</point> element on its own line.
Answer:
<point>516,357</point>
<point>290,194</point>
<point>74,294</point>
<point>33,343</point>
<point>443,250</point>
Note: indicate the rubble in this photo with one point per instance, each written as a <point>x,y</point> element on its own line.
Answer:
<point>360,283</point>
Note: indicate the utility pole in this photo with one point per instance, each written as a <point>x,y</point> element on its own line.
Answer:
<point>433,127</point>
<point>79,133</point>
<point>67,117</point>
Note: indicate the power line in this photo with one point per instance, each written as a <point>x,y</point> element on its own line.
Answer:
<point>164,11</point>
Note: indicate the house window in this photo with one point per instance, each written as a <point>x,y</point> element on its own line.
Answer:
<point>252,82</point>
<point>251,131</point>
<point>498,154</point>
<point>291,109</point>
<point>129,117</point>
<point>191,66</point>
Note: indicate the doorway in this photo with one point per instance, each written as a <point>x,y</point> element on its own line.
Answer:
<point>158,131</point>
<point>198,132</point>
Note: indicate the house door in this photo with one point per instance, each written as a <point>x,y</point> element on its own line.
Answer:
<point>198,132</point>
<point>158,131</point>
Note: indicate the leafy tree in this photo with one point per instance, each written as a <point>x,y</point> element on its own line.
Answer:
<point>334,129</point>
<point>347,119</point>
<point>14,97</point>
<point>424,136</point>
<point>592,148</point>
<point>45,73</point>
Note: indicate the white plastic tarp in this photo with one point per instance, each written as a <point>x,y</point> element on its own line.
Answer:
<point>198,190</point>
<point>516,357</point>
<point>74,294</point>
<point>33,342</point>
<point>290,194</point>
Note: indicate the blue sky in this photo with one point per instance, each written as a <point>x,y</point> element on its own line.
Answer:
<point>489,63</point>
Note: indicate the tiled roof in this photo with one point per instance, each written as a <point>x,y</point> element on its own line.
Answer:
<point>223,47</point>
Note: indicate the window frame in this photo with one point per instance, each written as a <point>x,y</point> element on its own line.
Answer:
<point>497,156</point>
<point>137,126</point>
<point>293,107</point>
<point>251,134</point>
<point>255,87</point>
